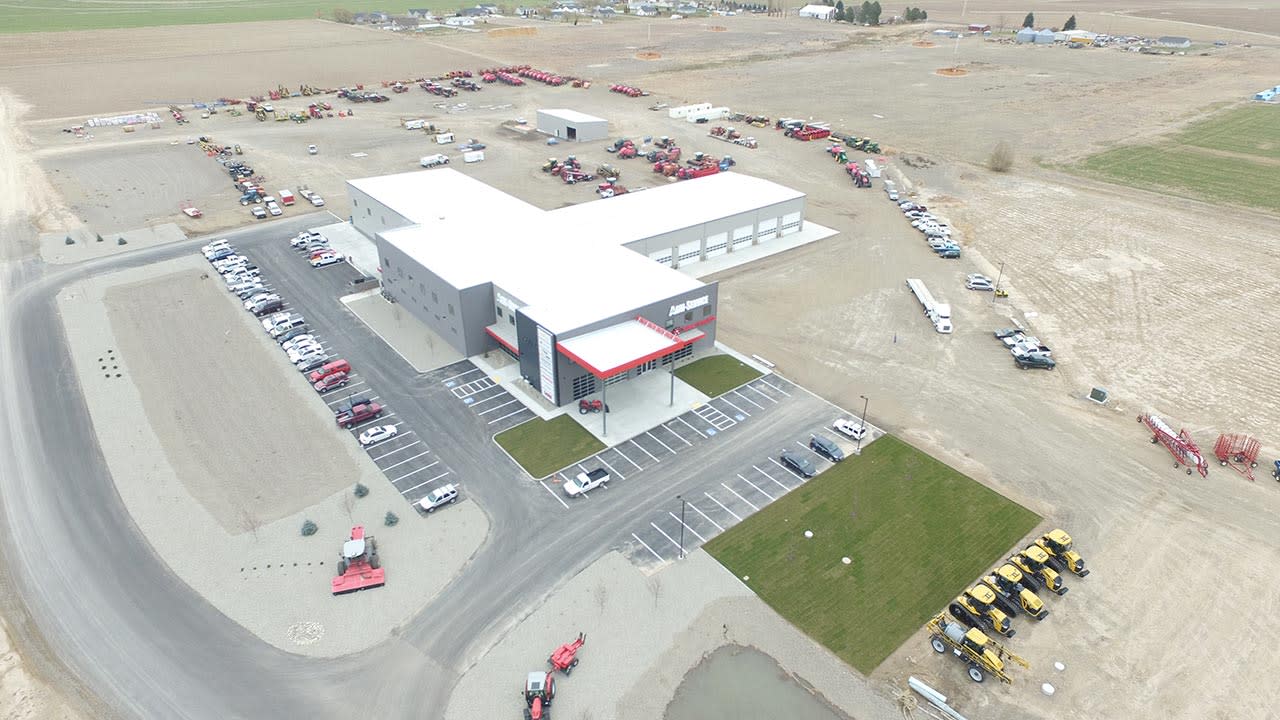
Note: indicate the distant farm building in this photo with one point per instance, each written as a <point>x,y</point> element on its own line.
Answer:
<point>1026,35</point>
<point>1174,41</point>
<point>820,12</point>
<point>978,27</point>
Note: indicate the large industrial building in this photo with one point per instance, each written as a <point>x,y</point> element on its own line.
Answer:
<point>580,296</point>
<point>572,125</point>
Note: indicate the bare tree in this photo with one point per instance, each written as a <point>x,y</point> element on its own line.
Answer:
<point>655,587</point>
<point>249,521</point>
<point>1001,159</point>
<point>601,594</point>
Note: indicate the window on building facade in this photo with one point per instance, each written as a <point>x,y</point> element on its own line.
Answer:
<point>706,311</point>
<point>511,319</point>
<point>451,309</point>
<point>434,299</point>
<point>499,311</point>
<point>680,354</point>
<point>368,212</point>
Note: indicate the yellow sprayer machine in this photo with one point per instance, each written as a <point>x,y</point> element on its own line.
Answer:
<point>983,655</point>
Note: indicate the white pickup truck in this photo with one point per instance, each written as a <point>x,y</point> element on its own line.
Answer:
<point>585,481</point>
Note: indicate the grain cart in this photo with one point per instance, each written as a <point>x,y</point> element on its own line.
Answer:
<point>1057,545</point>
<point>983,655</point>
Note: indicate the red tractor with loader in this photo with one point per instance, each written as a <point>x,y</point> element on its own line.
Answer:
<point>359,567</point>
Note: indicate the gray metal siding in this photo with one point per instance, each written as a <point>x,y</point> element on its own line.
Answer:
<point>371,217</point>
<point>475,312</point>
<point>671,241</point>
<point>412,286</point>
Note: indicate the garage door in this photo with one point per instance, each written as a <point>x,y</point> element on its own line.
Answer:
<point>717,244</point>
<point>742,235</point>
<point>768,229</point>
<point>790,223</point>
<point>662,257</point>
<point>689,252</point>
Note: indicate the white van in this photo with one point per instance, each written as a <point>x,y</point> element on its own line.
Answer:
<point>473,156</point>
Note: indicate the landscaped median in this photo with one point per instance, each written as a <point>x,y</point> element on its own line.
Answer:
<point>717,374</point>
<point>916,532</point>
<point>542,447</point>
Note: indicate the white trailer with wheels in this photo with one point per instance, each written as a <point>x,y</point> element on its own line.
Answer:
<point>938,313</point>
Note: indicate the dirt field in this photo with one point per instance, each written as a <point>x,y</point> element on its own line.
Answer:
<point>1152,297</point>
<point>277,464</point>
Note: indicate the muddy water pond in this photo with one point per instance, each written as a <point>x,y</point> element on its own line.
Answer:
<point>740,683</point>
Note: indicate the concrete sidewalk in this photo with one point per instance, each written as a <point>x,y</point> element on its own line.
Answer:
<point>413,341</point>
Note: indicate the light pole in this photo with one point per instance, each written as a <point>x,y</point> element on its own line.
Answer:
<point>865,403</point>
<point>681,499</point>
<point>996,289</point>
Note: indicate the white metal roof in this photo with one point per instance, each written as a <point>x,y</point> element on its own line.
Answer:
<point>571,115</point>
<point>429,194</point>
<point>672,207</point>
<point>608,349</point>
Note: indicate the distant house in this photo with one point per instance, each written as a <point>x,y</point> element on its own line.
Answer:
<point>419,13</point>
<point>459,21</point>
<point>1174,41</point>
<point>472,12</point>
<point>645,10</point>
<point>527,12</point>
<point>687,9</point>
<point>602,11</point>
<point>818,12</point>
<point>978,27</point>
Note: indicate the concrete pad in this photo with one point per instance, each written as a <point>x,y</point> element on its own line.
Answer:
<point>811,232</point>
<point>416,343</point>
<point>361,252</point>
<point>55,250</point>
<point>637,405</point>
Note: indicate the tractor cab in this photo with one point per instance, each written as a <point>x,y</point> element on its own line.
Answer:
<point>1058,541</point>
<point>353,549</point>
<point>539,689</point>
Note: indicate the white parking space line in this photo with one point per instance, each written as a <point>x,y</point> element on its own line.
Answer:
<point>560,500</point>
<point>735,407</point>
<point>497,407</point>
<point>424,482</point>
<point>370,422</point>
<point>646,452</point>
<point>624,457</point>
<point>411,457</point>
<point>775,387</point>
<point>402,447</point>
<point>668,537</point>
<point>612,470</point>
<point>771,477</point>
<point>646,547</point>
<point>673,432</point>
<point>744,397</point>
<point>735,492</point>
<point>414,472</point>
<point>757,487</point>
<point>494,396</point>
<point>686,424</point>
<point>713,522</point>
<point>686,527</point>
<point>766,397</point>
<point>668,447</point>
<point>455,377</point>
<point>722,506</point>
<point>504,417</point>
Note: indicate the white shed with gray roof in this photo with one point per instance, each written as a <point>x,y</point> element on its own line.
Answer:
<point>572,125</point>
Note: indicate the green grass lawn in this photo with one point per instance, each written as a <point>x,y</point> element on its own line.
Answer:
<point>1192,164</point>
<point>544,446</point>
<point>53,15</point>
<point>716,374</point>
<point>918,532</point>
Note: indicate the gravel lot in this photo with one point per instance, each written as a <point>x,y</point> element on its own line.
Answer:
<point>224,511</point>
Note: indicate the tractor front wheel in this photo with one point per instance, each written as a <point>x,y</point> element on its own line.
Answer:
<point>975,674</point>
<point>374,561</point>
<point>938,645</point>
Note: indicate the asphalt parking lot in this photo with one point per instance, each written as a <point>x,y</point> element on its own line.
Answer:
<point>497,408</point>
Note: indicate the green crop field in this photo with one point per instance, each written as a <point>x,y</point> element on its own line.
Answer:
<point>917,531</point>
<point>1231,158</point>
<point>54,15</point>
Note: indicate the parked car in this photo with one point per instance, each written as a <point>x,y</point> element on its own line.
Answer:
<point>330,382</point>
<point>797,463</point>
<point>441,496</point>
<point>978,283</point>
<point>1007,332</point>
<point>286,326</point>
<point>312,150</point>
<point>258,212</point>
<point>269,305</point>
<point>258,298</point>
<point>298,340</point>
<point>306,238</point>
<point>306,349</point>
<point>849,428</point>
<point>274,209</point>
<point>327,259</point>
<point>586,481</point>
<point>278,319</point>
<point>215,246</point>
<point>311,362</point>
<point>1035,360</point>
<point>826,447</point>
<point>1027,347</point>
<point>346,405</point>
<point>1014,339</point>
<point>294,333</point>
<point>375,435</point>
<point>951,252</point>
<point>219,254</point>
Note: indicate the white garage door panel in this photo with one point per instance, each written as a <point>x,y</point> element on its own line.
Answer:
<point>790,223</point>
<point>662,257</point>
<point>717,244</point>
<point>689,251</point>
<point>742,235</point>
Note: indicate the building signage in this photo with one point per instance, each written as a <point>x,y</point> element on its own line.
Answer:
<point>546,365</point>
<point>688,305</point>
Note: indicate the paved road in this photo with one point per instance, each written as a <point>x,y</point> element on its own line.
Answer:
<point>147,646</point>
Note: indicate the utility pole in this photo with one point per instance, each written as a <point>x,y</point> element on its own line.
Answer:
<point>681,499</point>
<point>865,402</point>
<point>998,279</point>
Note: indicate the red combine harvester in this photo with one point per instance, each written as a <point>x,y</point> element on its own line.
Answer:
<point>565,658</point>
<point>1238,452</point>
<point>539,690</point>
<point>359,567</point>
<point>1180,445</point>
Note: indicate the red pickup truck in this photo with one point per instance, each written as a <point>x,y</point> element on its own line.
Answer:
<point>358,414</point>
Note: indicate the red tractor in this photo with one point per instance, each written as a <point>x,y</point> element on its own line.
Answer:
<point>539,691</point>
<point>359,567</point>
<point>610,188</point>
<point>626,152</point>
<point>565,658</point>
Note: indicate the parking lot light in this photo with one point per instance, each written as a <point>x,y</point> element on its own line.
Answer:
<point>865,401</point>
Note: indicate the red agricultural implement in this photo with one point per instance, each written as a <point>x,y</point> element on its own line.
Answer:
<point>359,567</point>
<point>809,132</point>
<point>627,90</point>
<point>1180,445</point>
<point>610,188</point>
<point>565,657</point>
<point>1238,452</point>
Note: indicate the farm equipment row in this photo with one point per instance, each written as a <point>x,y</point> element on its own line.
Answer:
<point>729,134</point>
<point>628,91</point>
<point>540,685</point>
<point>990,605</point>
